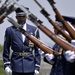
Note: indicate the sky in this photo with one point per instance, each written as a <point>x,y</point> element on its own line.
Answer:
<point>65,7</point>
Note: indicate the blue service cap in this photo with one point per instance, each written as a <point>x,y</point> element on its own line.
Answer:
<point>20,12</point>
<point>67,18</point>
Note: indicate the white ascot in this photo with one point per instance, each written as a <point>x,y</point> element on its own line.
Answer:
<point>23,36</point>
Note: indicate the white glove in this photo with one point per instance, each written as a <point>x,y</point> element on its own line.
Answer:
<point>70,56</point>
<point>8,71</point>
<point>73,42</point>
<point>41,52</point>
<point>50,56</point>
<point>36,72</point>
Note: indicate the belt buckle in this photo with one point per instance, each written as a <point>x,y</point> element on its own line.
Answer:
<point>23,54</point>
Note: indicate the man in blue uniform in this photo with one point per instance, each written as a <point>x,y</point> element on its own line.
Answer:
<point>63,64</point>
<point>70,66</point>
<point>25,58</point>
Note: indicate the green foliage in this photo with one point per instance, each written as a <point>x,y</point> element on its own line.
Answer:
<point>1,68</point>
<point>1,48</point>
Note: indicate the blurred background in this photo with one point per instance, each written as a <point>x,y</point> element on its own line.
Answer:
<point>65,7</point>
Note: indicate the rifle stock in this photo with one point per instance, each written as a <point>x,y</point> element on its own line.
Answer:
<point>45,13</point>
<point>2,17</point>
<point>66,25</point>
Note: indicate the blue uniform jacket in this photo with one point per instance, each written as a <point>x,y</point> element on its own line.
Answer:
<point>70,68</point>
<point>58,68</point>
<point>18,63</point>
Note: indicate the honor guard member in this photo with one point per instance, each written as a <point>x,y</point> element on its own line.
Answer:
<point>70,64</point>
<point>63,64</point>
<point>25,58</point>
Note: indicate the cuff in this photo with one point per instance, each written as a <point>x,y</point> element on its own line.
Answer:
<point>7,64</point>
<point>37,67</point>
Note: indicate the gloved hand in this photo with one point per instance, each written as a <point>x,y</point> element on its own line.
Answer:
<point>36,72</point>
<point>41,52</point>
<point>49,58</point>
<point>73,42</point>
<point>8,71</point>
<point>70,56</point>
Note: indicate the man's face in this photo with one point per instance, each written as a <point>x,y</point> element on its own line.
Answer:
<point>21,19</point>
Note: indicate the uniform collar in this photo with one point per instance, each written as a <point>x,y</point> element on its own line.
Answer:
<point>24,26</point>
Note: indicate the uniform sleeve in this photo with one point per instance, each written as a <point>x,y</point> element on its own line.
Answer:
<point>37,55</point>
<point>6,48</point>
<point>46,58</point>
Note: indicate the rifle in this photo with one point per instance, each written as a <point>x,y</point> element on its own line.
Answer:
<point>50,34</point>
<point>37,42</point>
<point>4,6</point>
<point>45,13</point>
<point>61,19</point>
<point>7,10</point>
